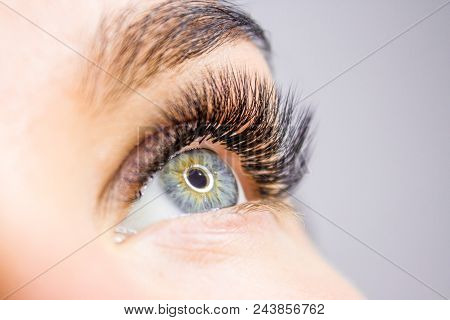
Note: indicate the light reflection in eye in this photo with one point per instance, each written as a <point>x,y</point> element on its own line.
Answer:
<point>199,178</point>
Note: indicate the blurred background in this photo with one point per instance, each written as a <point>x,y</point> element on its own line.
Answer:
<point>380,174</point>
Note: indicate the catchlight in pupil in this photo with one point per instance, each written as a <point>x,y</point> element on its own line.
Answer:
<point>198,180</point>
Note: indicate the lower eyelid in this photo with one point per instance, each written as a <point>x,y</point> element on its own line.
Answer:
<point>221,233</point>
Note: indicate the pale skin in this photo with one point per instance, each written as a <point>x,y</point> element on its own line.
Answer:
<point>57,155</point>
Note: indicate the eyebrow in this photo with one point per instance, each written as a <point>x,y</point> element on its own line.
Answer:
<point>136,43</point>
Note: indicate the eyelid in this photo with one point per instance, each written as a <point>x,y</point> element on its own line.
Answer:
<point>139,165</point>
<point>252,216</point>
<point>243,113</point>
<point>213,232</point>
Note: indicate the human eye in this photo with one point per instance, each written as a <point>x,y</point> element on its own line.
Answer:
<point>192,181</point>
<point>220,143</point>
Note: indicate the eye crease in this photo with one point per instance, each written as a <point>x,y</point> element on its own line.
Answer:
<point>239,112</point>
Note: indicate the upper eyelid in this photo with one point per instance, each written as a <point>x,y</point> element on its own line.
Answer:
<point>233,97</point>
<point>248,113</point>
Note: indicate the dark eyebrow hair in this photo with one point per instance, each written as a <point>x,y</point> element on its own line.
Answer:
<point>137,43</point>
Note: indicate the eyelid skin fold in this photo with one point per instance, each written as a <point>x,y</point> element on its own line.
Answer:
<point>214,236</point>
<point>245,114</point>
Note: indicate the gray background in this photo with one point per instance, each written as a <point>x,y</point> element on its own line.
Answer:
<point>380,168</point>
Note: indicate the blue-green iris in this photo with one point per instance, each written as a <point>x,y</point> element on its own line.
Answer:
<point>198,180</point>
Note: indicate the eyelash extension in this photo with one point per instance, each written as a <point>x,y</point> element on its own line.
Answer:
<point>243,112</point>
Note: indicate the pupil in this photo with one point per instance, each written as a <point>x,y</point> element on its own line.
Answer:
<point>197,178</point>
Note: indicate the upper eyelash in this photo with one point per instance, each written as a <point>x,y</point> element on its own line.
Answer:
<point>241,111</point>
<point>273,145</point>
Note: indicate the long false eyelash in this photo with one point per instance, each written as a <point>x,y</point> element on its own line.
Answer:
<point>248,116</point>
<point>244,113</point>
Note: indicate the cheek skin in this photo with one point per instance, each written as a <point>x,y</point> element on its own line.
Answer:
<point>232,255</point>
<point>224,255</point>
